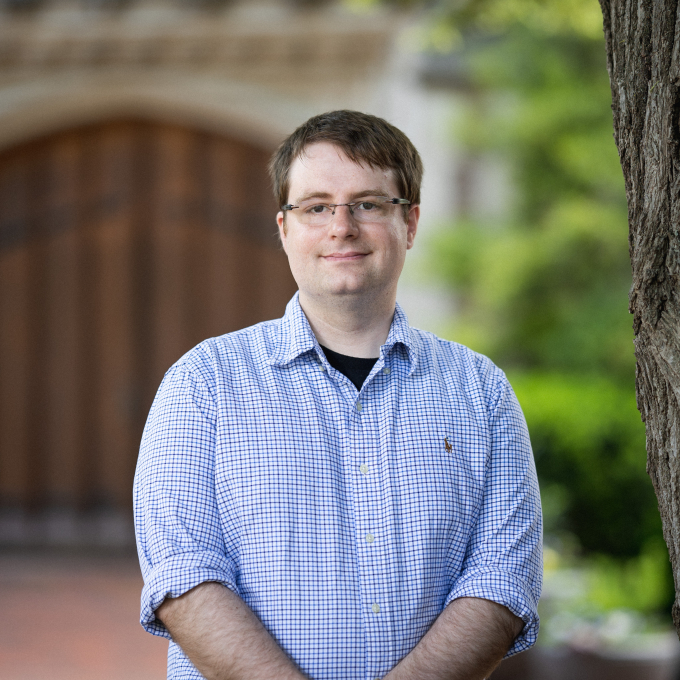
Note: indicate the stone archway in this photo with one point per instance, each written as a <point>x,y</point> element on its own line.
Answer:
<point>122,245</point>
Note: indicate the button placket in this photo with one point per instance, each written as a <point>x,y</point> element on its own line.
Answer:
<point>367,479</point>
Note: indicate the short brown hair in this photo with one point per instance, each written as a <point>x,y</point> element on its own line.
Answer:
<point>363,138</point>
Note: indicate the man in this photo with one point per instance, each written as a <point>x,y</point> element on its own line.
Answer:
<point>335,494</point>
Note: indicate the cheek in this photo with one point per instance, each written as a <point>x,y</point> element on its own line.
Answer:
<point>396,242</point>
<point>299,250</point>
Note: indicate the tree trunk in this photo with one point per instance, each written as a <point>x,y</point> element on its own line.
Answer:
<point>643,58</point>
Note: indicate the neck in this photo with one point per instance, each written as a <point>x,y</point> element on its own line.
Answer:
<point>349,326</point>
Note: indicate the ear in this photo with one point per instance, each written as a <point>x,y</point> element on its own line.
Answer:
<point>412,225</point>
<point>281,222</point>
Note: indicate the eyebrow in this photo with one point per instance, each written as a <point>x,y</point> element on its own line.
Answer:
<point>355,195</point>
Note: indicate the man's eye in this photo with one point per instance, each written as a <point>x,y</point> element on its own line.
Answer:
<point>317,209</point>
<point>367,206</point>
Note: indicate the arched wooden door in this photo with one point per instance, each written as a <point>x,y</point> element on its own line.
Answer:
<point>122,245</point>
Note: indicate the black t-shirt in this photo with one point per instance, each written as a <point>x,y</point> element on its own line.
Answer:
<point>355,368</point>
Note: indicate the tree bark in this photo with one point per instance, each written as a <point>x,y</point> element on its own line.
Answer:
<point>643,59</point>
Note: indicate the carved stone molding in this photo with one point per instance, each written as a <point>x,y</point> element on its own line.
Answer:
<point>271,46</point>
<point>252,69</point>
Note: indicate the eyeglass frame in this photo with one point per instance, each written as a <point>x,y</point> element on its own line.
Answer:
<point>393,201</point>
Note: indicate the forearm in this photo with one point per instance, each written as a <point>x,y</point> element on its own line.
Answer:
<point>466,642</point>
<point>222,636</point>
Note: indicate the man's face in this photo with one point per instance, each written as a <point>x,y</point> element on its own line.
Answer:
<point>344,257</point>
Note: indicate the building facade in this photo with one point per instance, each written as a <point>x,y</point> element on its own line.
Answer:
<point>136,217</point>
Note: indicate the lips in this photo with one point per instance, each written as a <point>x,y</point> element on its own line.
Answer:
<point>350,255</point>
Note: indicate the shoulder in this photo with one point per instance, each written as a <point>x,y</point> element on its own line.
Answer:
<point>228,356</point>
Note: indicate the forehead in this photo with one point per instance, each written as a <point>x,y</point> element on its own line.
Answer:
<point>324,169</point>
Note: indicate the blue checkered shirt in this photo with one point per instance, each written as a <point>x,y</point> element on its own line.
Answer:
<point>346,520</point>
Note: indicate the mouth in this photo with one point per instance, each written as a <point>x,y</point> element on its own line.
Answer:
<point>344,257</point>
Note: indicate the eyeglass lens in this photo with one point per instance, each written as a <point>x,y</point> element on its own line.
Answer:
<point>367,211</point>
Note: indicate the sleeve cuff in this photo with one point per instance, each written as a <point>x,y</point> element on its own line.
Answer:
<point>508,590</point>
<point>175,576</point>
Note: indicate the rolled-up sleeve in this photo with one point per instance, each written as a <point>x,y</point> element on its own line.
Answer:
<point>180,535</point>
<point>503,561</point>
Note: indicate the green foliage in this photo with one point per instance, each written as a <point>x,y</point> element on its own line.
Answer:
<point>589,446</point>
<point>643,583</point>
<point>449,18</point>
<point>589,443</point>
<point>581,18</point>
<point>546,289</point>
<point>548,108</point>
<point>551,298</point>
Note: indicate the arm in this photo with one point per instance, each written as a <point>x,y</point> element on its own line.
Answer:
<point>222,636</point>
<point>466,642</point>
<point>187,548</point>
<point>503,562</point>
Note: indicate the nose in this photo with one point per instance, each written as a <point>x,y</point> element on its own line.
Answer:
<point>343,224</point>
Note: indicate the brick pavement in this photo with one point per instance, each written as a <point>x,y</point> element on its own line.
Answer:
<point>74,618</point>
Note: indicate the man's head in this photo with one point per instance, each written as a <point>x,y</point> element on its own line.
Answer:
<point>346,237</point>
<point>364,139</point>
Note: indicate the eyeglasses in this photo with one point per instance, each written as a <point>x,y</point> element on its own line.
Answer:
<point>370,210</point>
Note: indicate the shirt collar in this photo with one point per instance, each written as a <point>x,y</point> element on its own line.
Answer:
<point>295,336</point>
<point>401,334</point>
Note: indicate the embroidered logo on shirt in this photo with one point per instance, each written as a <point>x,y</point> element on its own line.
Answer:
<point>447,446</point>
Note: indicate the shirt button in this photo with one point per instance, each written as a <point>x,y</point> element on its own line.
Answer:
<point>375,608</point>
<point>364,469</point>
<point>370,538</point>
<point>386,370</point>
<point>359,407</point>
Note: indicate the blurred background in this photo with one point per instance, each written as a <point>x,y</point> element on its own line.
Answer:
<point>136,220</point>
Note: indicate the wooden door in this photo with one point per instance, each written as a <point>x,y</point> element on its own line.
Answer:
<point>122,245</point>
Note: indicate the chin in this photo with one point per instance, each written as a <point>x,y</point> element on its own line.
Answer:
<point>354,291</point>
<point>349,287</point>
